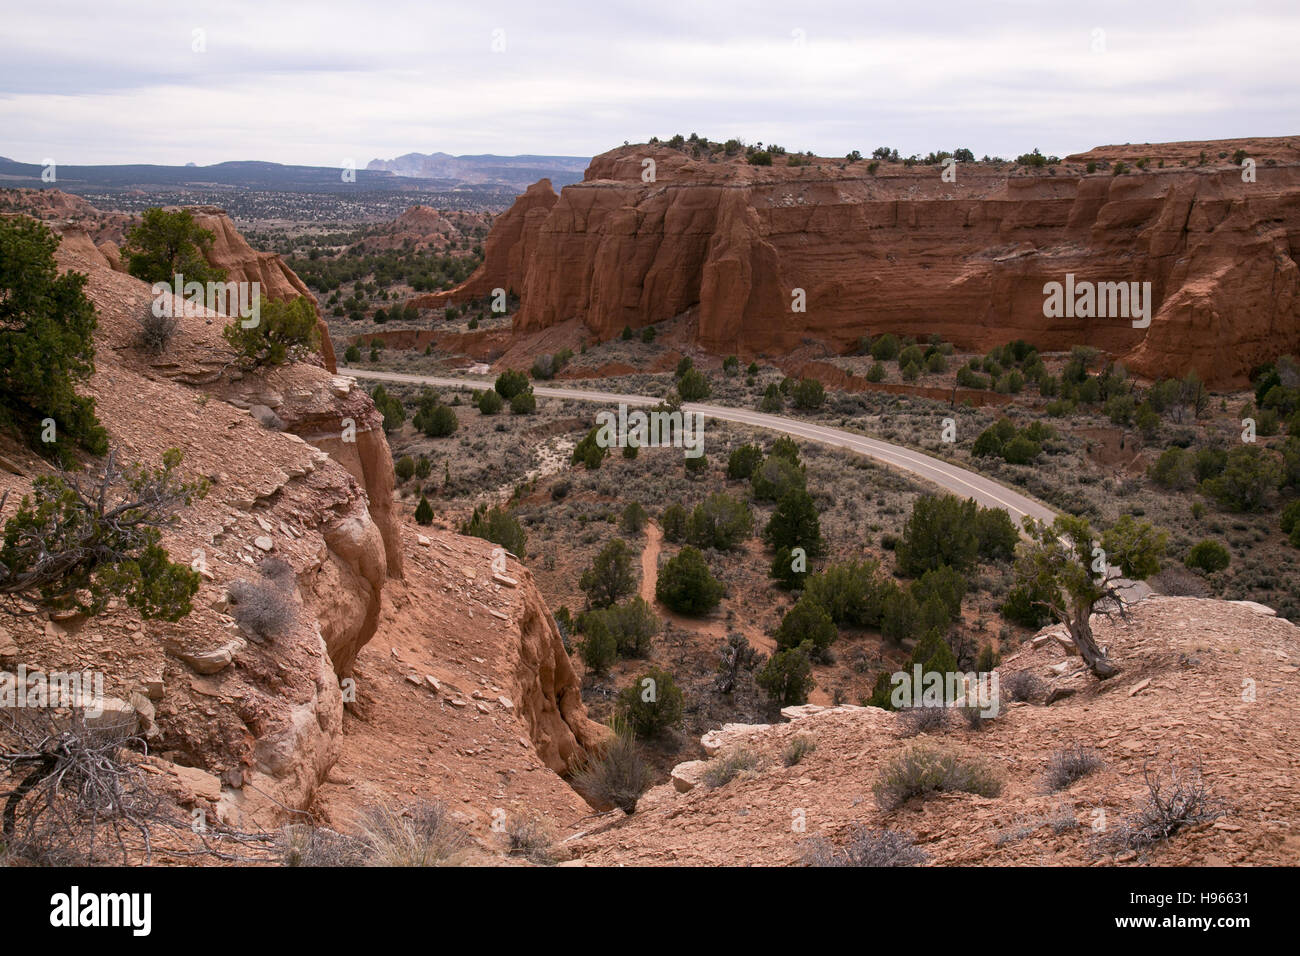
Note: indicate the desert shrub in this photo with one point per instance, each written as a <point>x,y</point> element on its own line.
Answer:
<point>788,571</point>
<point>632,625</point>
<point>610,577</point>
<point>1026,605</point>
<point>1072,763</point>
<point>652,704</point>
<point>1022,686</point>
<point>771,402</point>
<point>736,656</point>
<point>78,541</point>
<point>673,521</point>
<point>1207,555</point>
<point>285,331</point>
<point>686,585</point>
<point>391,407</point>
<point>599,648</point>
<point>798,747</point>
<point>852,593</point>
<point>795,523</point>
<point>941,530</point>
<point>693,386</point>
<point>885,348</point>
<point>47,344</point>
<point>634,518</point>
<point>1177,797</point>
<point>743,461</point>
<point>352,355</point>
<point>1173,469</point>
<point>498,525</point>
<point>420,835</point>
<point>156,330</point>
<point>945,584</point>
<point>490,402</point>
<point>787,677</point>
<point>866,848</point>
<point>922,770</point>
<point>533,838</point>
<point>1290,517</point>
<point>809,394</point>
<point>806,621</point>
<point>306,845</point>
<point>900,616</point>
<point>1250,474</point>
<point>424,512</point>
<point>725,767</point>
<point>405,468</point>
<point>524,403</point>
<point>1020,451</point>
<point>589,452</point>
<point>440,422</point>
<point>775,478</point>
<point>721,522</point>
<point>264,608</point>
<point>617,775</point>
<point>510,383</point>
<point>167,242</point>
<point>921,720</point>
<point>422,467</point>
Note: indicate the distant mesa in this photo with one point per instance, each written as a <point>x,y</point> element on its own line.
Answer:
<point>889,247</point>
<point>517,171</point>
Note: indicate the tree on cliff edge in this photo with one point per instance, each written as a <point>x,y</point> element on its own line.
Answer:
<point>167,243</point>
<point>1071,575</point>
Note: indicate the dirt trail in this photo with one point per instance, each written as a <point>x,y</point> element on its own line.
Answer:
<point>650,562</point>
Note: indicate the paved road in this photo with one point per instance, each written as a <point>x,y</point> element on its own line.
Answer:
<point>959,481</point>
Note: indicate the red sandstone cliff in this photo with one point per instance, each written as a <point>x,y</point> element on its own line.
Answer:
<point>507,250</point>
<point>903,251</point>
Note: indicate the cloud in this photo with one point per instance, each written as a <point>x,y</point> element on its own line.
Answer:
<point>314,83</point>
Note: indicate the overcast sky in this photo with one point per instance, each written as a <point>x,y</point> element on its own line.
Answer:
<point>325,82</point>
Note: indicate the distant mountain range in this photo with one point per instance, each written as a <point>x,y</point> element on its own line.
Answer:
<point>518,171</point>
<point>438,172</point>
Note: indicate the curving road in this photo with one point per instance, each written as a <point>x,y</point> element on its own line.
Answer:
<point>949,477</point>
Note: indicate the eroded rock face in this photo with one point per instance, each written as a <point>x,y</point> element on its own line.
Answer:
<point>507,251</point>
<point>243,263</point>
<point>300,472</point>
<point>903,251</point>
<point>546,690</point>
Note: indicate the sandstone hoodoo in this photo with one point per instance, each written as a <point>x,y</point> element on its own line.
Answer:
<point>763,259</point>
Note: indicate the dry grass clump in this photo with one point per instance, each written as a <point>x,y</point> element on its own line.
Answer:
<point>1071,764</point>
<point>924,770</point>
<point>423,834</point>
<point>726,767</point>
<point>866,848</point>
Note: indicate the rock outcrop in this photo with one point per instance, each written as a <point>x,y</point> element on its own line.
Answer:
<point>507,251</point>
<point>251,723</point>
<point>243,263</point>
<point>1204,684</point>
<point>901,250</point>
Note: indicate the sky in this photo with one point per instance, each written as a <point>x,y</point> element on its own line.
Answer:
<point>331,83</point>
